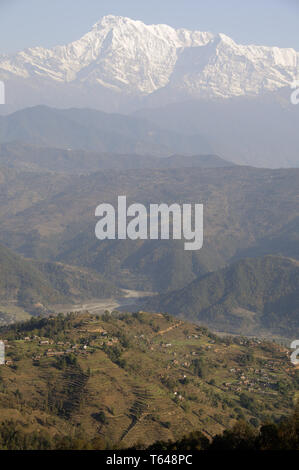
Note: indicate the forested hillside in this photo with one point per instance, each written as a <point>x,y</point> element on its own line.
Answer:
<point>252,296</point>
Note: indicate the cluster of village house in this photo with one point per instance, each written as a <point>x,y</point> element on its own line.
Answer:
<point>8,362</point>
<point>261,376</point>
<point>51,352</point>
<point>245,379</point>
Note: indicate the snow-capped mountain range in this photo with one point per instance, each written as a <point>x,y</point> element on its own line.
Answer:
<point>123,57</point>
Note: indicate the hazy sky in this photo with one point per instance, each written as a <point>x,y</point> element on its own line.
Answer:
<point>25,23</point>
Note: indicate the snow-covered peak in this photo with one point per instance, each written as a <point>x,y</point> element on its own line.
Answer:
<point>132,58</point>
<point>113,21</point>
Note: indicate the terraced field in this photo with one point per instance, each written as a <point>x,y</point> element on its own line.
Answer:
<point>127,378</point>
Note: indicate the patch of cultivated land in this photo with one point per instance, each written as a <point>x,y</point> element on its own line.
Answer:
<point>138,377</point>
